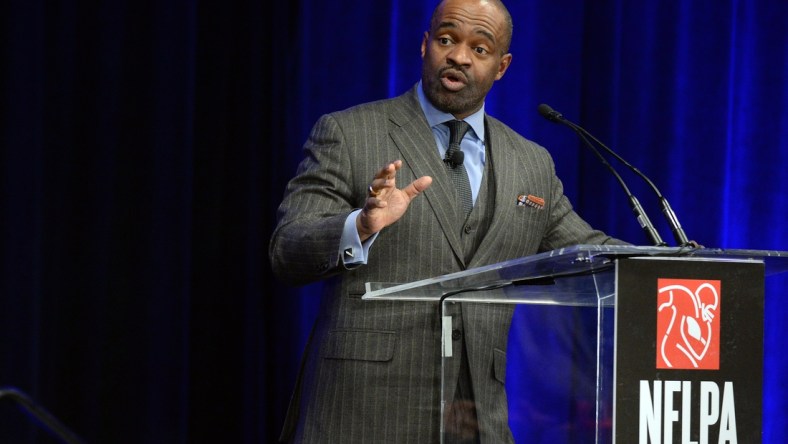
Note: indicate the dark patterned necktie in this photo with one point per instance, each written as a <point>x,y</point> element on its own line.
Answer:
<point>457,173</point>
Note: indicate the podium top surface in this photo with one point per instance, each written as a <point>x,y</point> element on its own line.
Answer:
<point>576,275</point>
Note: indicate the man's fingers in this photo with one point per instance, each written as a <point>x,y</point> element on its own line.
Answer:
<point>377,185</point>
<point>375,202</point>
<point>390,170</point>
<point>386,177</point>
<point>418,186</point>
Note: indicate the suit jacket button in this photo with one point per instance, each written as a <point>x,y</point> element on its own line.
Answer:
<point>468,229</point>
<point>456,334</point>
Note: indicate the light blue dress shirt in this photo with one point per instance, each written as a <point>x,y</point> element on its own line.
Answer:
<point>472,144</point>
<point>351,249</point>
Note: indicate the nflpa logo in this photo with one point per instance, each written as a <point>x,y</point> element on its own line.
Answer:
<point>688,326</point>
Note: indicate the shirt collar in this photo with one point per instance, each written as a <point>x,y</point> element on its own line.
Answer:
<point>436,117</point>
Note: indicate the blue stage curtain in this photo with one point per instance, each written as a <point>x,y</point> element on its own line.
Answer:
<point>146,145</point>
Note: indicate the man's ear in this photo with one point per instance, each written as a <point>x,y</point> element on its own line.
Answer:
<point>506,60</point>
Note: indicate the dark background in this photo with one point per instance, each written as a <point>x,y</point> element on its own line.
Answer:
<point>146,145</point>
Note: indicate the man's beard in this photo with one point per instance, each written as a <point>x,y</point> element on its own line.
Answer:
<point>449,101</point>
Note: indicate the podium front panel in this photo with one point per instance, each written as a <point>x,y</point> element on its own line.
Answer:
<point>689,351</point>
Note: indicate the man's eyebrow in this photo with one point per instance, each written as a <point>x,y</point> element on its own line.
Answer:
<point>444,25</point>
<point>486,34</point>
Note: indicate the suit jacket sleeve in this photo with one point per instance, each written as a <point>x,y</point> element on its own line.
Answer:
<point>304,246</point>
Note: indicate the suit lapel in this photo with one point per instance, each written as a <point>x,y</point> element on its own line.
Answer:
<point>414,138</point>
<point>505,164</point>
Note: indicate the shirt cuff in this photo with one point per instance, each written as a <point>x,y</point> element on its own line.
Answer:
<point>351,249</point>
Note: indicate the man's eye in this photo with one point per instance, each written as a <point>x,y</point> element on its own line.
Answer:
<point>480,50</point>
<point>444,40</point>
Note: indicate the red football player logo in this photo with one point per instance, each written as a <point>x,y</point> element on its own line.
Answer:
<point>688,326</point>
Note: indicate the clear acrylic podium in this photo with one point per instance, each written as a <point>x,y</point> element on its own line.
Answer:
<point>579,276</point>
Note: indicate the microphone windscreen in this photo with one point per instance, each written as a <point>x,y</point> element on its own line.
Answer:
<point>549,113</point>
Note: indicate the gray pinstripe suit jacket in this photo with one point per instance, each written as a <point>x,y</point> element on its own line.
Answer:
<point>371,369</point>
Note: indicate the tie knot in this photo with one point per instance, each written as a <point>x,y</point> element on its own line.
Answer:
<point>457,130</point>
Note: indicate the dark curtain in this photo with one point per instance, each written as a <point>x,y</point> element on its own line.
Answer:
<point>146,145</point>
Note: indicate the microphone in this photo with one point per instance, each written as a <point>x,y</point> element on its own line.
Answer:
<point>455,159</point>
<point>667,211</point>
<point>554,116</point>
